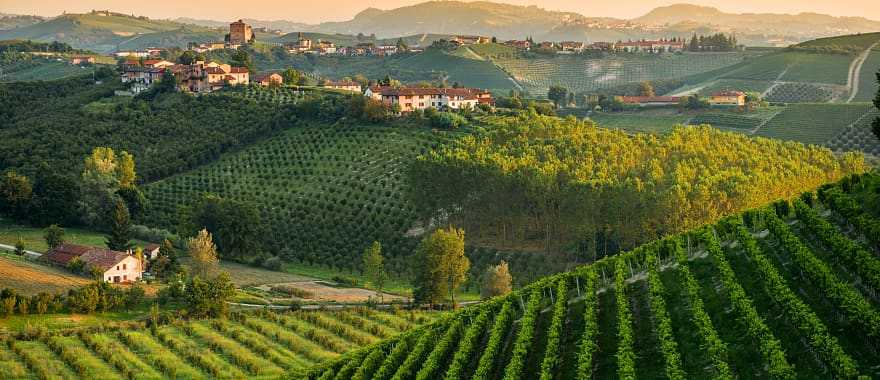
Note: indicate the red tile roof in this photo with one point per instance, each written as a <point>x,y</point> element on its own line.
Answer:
<point>214,70</point>
<point>103,259</point>
<point>64,253</point>
<point>239,70</point>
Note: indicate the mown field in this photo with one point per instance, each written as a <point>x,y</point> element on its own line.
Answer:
<point>29,278</point>
<point>786,291</point>
<point>260,345</point>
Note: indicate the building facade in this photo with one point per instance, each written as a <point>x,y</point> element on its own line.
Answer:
<point>240,33</point>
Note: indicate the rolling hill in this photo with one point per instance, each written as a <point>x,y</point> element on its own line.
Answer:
<point>783,291</point>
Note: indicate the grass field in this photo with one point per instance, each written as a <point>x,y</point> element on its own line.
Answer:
<point>263,345</point>
<point>862,41</point>
<point>787,295</point>
<point>33,238</point>
<point>582,74</point>
<point>813,123</point>
<point>868,77</point>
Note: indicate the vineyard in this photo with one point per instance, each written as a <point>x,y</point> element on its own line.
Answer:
<point>868,77</point>
<point>795,67</point>
<point>813,123</point>
<point>263,345</point>
<point>791,92</point>
<point>721,119</point>
<point>785,291</point>
<point>580,74</point>
<point>329,190</point>
<point>858,137</point>
<point>645,121</point>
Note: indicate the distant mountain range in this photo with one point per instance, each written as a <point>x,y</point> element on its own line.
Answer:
<point>102,31</point>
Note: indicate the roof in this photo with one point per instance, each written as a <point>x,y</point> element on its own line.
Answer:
<point>264,76</point>
<point>419,91</point>
<point>729,93</point>
<point>650,99</point>
<point>103,258</point>
<point>64,253</point>
<point>238,70</point>
<point>151,247</point>
<point>215,70</point>
<point>83,57</point>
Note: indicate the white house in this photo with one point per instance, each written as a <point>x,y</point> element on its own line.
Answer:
<point>114,266</point>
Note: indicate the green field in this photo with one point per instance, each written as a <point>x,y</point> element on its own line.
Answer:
<point>858,137</point>
<point>795,67</point>
<point>41,69</point>
<point>584,74</point>
<point>33,239</point>
<point>743,85</point>
<point>813,123</point>
<point>774,294</point>
<point>329,190</point>
<point>791,92</point>
<point>735,120</point>
<point>861,41</point>
<point>868,77</point>
<point>264,345</point>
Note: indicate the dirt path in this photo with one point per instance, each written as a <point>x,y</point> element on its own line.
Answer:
<point>473,55</point>
<point>763,123</point>
<point>776,82</point>
<point>694,90</point>
<point>855,72</point>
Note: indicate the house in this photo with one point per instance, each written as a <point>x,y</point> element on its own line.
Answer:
<point>325,47</point>
<point>151,251</point>
<point>131,53</point>
<point>343,85</point>
<point>240,33</point>
<point>114,266</point>
<point>471,40</point>
<point>519,44</point>
<point>650,101</point>
<point>571,46</point>
<point>268,79</point>
<point>157,63</point>
<point>301,45</point>
<point>206,47</point>
<point>728,98</point>
<point>201,77</point>
<point>600,46</point>
<point>650,46</point>
<point>416,98</point>
<point>81,59</point>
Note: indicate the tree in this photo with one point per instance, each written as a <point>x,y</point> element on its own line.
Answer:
<point>139,256</point>
<point>876,124</point>
<point>209,297</point>
<point>241,58</point>
<point>16,193</point>
<point>557,94</point>
<point>203,253</point>
<point>236,225</point>
<point>125,171</point>
<point>496,281</point>
<point>19,246</point>
<point>119,238</point>
<point>189,57</point>
<point>134,200</point>
<point>442,265</point>
<point>646,88</point>
<point>56,199</point>
<point>166,263</point>
<point>291,76</point>
<point>54,236</point>
<point>374,269</point>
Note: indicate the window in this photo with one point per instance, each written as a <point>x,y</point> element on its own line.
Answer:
<point>117,267</point>
<point>124,278</point>
<point>124,266</point>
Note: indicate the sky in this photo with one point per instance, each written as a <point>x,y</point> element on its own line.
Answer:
<point>314,11</point>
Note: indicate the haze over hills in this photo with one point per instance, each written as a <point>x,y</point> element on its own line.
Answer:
<point>106,32</point>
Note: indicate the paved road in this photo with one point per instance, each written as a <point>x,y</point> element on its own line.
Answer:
<point>32,254</point>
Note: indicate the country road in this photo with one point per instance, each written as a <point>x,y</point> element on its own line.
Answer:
<point>32,254</point>
<point>855,72</point>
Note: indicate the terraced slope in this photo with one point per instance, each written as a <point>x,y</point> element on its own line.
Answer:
<point>813,123</point>
<point>328,190</point>
<point>787,291</point>
<point>263,345</point>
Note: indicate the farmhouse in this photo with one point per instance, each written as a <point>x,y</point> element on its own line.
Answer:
<point>471,40</point>
<point>80,59</point>
<point>343,85</point>
<point>519,44</point>
<point>240,33</point>
<point>650,101</point>
<point>728,98</point>
<point>268,79</point>
<point>114,266</point>
<point>416,98</point>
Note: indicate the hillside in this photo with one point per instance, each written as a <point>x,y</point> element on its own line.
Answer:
<point>785,291</point>
<point>102,32</point>
<point>418,40</point>
<point>803,25</point>
<point>17,21</point>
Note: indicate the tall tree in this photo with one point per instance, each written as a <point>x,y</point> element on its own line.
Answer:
<point>125,172</point>
<point>646,88</point>
<point>876,123</point>
<point>374,268</point>
<point>237,227</point>
<point>203,253</point>
<point>442,265</point>
<point>54,236</point>
<point>557,94</point>
<point>497,281</point>
<point>16,192</point>
<point>119,238</point>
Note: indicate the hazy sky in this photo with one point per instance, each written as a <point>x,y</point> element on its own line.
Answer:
<point>313,11</point>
